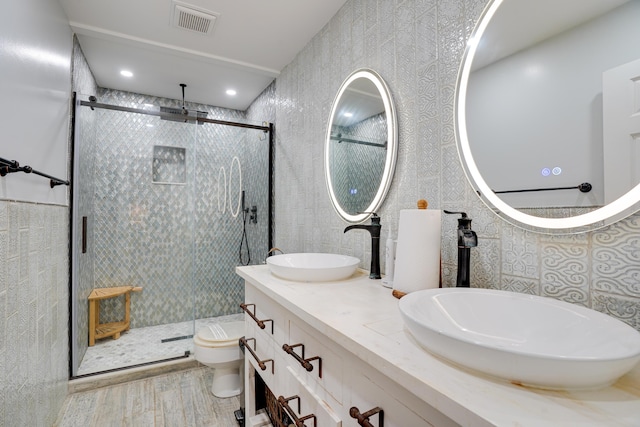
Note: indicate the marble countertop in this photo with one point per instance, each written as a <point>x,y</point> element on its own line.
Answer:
<point>363,317</point>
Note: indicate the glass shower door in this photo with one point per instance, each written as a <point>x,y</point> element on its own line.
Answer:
<point>231,214</point>
<point>133,226</point>
<point>169,207</point>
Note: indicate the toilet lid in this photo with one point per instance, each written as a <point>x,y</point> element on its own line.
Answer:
<point>213,333</point>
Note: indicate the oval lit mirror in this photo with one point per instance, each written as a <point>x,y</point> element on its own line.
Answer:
<point>548,112</point>
<point>361,146</point>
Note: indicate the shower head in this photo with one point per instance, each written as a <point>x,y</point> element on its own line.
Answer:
<point>182,115</point>
<point>182,112</point>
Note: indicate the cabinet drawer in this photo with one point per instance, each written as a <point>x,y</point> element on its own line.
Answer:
<point>259,352</point>
<point>260,307</point>
<point>366,395</point>
<point>303,402</point>
<point>326,371</point>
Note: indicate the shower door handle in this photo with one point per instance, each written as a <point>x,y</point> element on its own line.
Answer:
<point>84,234</point>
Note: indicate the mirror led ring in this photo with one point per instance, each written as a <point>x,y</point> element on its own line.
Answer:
<point>392,145</point>
<point>618,209</point>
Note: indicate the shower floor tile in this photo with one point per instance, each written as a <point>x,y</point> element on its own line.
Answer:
<point>142,345</point>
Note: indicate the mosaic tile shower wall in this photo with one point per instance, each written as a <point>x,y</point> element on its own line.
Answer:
<point>217,289</point>
<point>417,47</point>
<point>178,241</point>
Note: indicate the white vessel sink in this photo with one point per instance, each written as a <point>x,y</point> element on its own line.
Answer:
<point>312,267</point>
<point>528,340</point>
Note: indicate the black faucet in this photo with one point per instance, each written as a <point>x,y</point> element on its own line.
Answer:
<point>374,229</point>
<point>467,239</point>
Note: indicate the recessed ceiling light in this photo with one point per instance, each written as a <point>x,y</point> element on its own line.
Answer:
<point>348,114</point>
<point>126,73</point>
<point>231,92</point>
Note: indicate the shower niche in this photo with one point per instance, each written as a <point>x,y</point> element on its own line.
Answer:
<point>169,165</point>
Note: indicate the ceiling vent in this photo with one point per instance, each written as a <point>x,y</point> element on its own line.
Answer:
<point>191,18</point>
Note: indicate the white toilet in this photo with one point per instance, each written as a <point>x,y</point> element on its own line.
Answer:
<point>217,346</point>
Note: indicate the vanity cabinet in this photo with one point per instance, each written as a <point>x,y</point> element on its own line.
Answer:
<point>318,380</point>
<point>358,354</point>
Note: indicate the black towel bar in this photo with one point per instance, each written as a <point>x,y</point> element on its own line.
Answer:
<point>585,187</point>
<point>11,166</point>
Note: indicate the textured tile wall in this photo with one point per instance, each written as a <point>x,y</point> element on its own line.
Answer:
<point>417,47</point>
<point>34,295</point>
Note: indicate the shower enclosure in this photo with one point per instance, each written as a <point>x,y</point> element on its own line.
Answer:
<point>169,198</point>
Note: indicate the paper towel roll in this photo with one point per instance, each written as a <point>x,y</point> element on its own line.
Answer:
<point>418,250</point>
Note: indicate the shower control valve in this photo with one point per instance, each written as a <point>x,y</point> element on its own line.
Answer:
<point>254,214</point>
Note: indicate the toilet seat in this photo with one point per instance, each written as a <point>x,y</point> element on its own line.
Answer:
<point>220,335</point>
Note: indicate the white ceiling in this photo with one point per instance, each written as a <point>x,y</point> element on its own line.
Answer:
<point>252,41</point>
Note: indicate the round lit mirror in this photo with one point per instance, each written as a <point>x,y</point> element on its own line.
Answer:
<point>361,146</point>
<point>548,112</point>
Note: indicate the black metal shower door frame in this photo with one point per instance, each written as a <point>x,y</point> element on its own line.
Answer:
<point>266,127</point>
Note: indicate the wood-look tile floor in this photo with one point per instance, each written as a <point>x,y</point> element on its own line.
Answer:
<point>177,399</point>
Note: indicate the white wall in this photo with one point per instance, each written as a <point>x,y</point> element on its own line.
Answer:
<point>35,81</point>
<point>35,84</point>
<point>527,126</point>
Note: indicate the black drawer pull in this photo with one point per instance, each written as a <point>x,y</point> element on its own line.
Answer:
<point>304,362</point>
<point>243,343</point>
<point>299,422</point>
<point>363,419</point>
<point>259,322</point>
